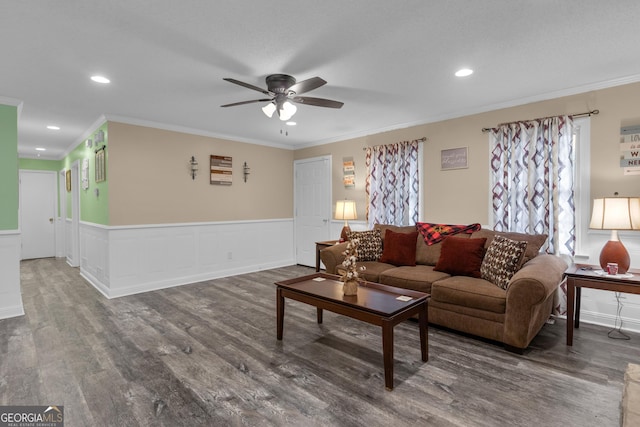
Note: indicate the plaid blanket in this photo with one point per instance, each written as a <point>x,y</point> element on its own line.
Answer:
<point>434,233</point>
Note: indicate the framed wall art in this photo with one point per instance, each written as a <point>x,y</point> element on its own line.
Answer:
<point>221,170</point>
<point>454,158</point>
<point>100,166</point>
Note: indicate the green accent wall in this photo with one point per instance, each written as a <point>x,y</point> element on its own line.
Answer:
<point>8,167</point>
<point>93,208</point>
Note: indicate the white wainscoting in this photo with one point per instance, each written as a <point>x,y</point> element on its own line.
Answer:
<point>10,294</point>
<point>121,261</point>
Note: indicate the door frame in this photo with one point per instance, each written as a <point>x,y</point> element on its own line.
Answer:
<point>329,183</point>
<point>61,219</point>
<point>74,260</point>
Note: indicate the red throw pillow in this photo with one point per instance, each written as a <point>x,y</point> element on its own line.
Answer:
<point>461,257</point>
<point>399,248</point>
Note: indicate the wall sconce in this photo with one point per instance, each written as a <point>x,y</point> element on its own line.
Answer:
<point>245,171</point>
<point>193,167</point>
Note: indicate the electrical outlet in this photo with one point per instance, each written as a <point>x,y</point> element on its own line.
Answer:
<point>229,255</point>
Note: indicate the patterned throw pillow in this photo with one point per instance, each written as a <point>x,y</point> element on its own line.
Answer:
<point>502,260</point>
<point>370,244</point>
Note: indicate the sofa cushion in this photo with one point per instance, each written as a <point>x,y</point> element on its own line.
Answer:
<point>418,278</point>
<point>371,272</point>
<point>395,228</point>
<point>369,244</point>
<point>534,241</point>
<point>399,248</point>
<point>503,258</point>
<point>461,257</point>
<point>470,292</point>
<point>430,254</point>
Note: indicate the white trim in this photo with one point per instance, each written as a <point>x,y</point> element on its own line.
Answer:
<point>10,294</point>
<point>193,131</point>
<point>181,224</point>
<point>14,311</point>
<point>582,182</point>
<point>608,320</point>
<point>482,109</point>
<point>9,232</point>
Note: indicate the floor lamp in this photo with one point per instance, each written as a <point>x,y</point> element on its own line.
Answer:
<point>615,213</point>
<point>346,210</point>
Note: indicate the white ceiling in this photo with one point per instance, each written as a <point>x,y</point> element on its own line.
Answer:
<point>392,63</point>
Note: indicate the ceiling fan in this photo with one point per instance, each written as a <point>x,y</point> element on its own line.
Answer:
<point>283,91</point>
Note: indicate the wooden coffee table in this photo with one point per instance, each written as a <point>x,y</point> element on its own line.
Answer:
<point>375,304</point>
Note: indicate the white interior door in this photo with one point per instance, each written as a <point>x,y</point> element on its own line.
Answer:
<point>312,206</point>
<point>37,214</point>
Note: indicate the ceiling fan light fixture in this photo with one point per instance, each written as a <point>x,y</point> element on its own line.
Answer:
<point>287,111</point>
<point>269,109</point>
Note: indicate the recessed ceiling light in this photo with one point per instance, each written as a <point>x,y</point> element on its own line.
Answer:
<point>100,79</point>
<point>291,123</point>
<point>464,72</point>
<point>40,149</point>
<point>53,127</point>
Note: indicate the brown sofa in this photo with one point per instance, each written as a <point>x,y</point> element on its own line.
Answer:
<point>472,305</point>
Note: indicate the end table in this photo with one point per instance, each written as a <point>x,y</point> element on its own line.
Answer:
<point>591,276</point>
<point>320,246</point>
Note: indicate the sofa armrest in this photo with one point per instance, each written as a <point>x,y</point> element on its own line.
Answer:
<point>333,256</point>
<point>527,293</point>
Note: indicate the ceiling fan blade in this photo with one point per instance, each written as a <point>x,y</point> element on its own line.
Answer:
<point>248,86</point>
<point>318,102</point>
<point>246,102</point>
<point>307,85</point>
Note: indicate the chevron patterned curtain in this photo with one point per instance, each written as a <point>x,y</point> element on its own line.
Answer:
<point>392,183</point>
<point>532,182</point>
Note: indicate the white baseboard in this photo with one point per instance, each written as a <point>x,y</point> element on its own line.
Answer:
<point>10,293</point>
<point>7,312</point>
<point>603,319</point>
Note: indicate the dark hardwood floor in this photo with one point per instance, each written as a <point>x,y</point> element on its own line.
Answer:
<point>206,354</point>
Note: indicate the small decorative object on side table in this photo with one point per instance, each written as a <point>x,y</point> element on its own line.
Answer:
<point>350,276</point>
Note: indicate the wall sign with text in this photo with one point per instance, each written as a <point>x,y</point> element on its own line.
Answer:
<point>454,158</point>
<point>630,150</point>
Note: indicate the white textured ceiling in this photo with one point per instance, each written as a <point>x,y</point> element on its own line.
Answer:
<point>390,62</point>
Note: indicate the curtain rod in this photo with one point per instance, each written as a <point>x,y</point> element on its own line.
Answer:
<point>587,114</point>
<point>423,139</point>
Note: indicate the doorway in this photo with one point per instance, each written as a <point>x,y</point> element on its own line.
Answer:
<point>312,206</point>
<point>38,213</point>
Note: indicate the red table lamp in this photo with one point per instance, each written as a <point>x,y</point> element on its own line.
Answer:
<point>615,213</point>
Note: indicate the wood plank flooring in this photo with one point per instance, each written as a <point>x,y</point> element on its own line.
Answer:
<point>207,354</point>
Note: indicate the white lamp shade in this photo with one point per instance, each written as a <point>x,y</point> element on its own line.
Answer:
<point>346,209</point>
<point>616,213</point>
<point>287,111</point>
<point>269,109</point>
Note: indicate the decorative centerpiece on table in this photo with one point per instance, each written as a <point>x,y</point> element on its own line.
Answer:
<point>350,276</point>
